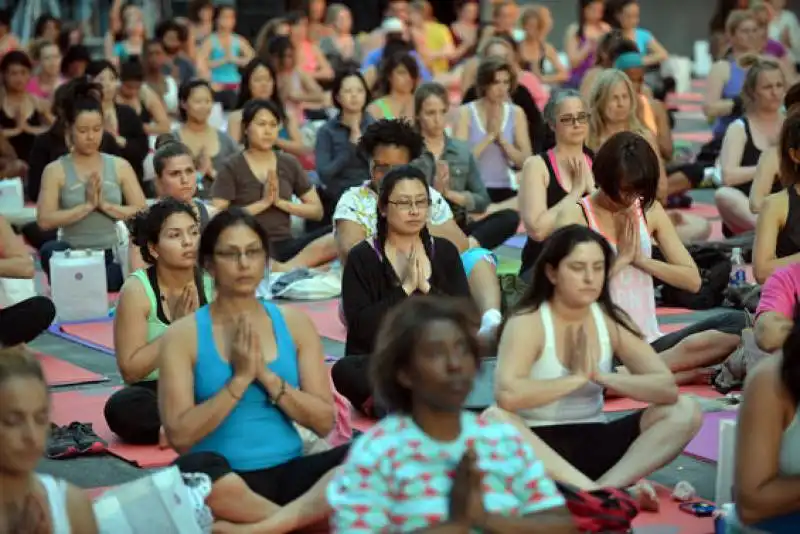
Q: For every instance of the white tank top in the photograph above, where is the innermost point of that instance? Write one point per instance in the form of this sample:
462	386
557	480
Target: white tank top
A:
585	404
56	491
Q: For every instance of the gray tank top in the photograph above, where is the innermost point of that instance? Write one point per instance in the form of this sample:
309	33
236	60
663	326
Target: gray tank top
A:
789	460
97	230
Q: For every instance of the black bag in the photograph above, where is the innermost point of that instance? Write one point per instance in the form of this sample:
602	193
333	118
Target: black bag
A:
715	271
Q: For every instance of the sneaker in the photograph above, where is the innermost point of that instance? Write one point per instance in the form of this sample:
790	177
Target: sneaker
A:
87	441
61	444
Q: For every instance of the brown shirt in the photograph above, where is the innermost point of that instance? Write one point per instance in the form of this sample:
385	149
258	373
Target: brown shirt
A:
237	184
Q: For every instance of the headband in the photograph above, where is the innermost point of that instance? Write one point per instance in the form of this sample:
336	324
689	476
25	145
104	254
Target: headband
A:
629	60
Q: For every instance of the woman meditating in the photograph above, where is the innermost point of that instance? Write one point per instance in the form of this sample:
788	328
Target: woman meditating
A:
170	287
555	359
398	78
32	502
624	210
234	377
426	361
400	261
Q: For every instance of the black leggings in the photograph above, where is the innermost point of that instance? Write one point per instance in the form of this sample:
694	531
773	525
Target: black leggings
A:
727	322
351	378
493	230
132	413
24	321
287	249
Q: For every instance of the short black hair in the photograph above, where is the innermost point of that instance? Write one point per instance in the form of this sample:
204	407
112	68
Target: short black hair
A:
15	57
341	76
132	70
145	227
390	64
391	132
97	66
233	216
251	109
186	90
393	351
627	163
171	26
74	54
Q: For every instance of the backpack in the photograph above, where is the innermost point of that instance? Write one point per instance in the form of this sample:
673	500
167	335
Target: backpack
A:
603	511
715	271
734	369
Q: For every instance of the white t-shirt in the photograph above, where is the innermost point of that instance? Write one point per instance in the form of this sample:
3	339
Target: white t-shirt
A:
360	205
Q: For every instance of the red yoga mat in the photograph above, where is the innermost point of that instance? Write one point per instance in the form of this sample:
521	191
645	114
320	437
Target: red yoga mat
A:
325	316
58	372
670	519
705	445
669	312
101	334
87	407
694	137
707	211
623	405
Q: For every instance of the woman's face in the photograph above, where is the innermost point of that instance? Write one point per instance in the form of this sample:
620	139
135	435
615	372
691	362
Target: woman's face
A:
109	82
580	276
499	90
262	86
178	242
87	132
629	16
134	25
770	90
618	106
77	69
344	21
287	59
407	210
172	42
50	31
432	116
199	104
239	261
352	95
572	122
505	19
262	131
50	59
24	424
299	30
533	26
469	12
130	89
442	369
226	20
178	180
401	81
206	14
316	9
593	13
156	56
16	78
746	35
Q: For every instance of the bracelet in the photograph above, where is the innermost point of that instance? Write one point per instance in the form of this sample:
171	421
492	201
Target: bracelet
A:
277	397
228	387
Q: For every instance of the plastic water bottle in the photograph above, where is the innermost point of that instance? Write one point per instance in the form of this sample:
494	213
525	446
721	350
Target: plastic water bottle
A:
738	275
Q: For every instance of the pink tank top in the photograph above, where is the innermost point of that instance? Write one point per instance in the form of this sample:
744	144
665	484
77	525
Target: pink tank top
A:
309	62
631	288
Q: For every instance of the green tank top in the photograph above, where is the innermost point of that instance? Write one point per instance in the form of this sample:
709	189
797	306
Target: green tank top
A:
383	105
157	323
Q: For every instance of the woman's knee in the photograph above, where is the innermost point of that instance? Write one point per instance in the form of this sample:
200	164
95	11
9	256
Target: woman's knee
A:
686	416
132	414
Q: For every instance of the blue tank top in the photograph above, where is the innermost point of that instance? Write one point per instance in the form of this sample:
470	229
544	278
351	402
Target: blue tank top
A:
732	89
256	435
228	73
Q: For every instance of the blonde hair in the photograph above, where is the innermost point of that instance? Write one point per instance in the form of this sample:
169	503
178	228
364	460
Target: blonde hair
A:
736	18
755	66
598	98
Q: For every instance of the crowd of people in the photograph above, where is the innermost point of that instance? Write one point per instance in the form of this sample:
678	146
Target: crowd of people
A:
407	156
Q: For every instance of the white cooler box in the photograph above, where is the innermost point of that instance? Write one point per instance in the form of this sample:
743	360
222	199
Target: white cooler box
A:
11	195
78	285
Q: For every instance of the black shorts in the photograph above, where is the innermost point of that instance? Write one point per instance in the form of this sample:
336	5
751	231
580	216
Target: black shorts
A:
280	484
592	448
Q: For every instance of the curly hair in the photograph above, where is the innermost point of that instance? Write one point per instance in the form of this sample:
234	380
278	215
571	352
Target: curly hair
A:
145	227
391	132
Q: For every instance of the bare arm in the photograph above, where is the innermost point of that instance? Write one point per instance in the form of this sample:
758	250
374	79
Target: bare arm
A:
235	125
155	105
539	220
310	206
716	106
576	52
16	261
80	512
133	197
520	347
136	358
520	148
657	53
203	61
561	73
771	330
311	405
679	270
294	145
769	223
48	214
324	71
767	169
664	135
311	92
450	230
730	158
348	235
468	73
462	132
761	492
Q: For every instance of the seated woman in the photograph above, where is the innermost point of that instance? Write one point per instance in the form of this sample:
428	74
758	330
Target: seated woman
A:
457	176
136	94
555	359
210	147
397	80
427	402
121	121
298	90
387	144
85	191
20	322
400	261
222	53
309	56
234	377
33	502
581	39
47	77
259	82
777	241
624	15
496	131
767	441
263	182
746	138
158	70
341	48
625	211
605	47
536	54
557	179
172	286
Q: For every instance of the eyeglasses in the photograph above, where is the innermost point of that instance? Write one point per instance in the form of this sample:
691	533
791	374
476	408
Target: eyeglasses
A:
239	255
580	118
408	205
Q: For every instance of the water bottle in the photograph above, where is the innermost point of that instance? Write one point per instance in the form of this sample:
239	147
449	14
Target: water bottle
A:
738	276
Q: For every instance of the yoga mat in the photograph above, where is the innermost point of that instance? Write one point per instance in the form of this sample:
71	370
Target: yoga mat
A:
62	373
668	312
87	407
669	519
688	97
517	241
705	445
325	316
716	231
623	404
695	137
507	265
683	107
701	209
97	335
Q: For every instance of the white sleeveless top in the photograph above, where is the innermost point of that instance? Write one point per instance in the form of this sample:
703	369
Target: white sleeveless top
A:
56	491
585	404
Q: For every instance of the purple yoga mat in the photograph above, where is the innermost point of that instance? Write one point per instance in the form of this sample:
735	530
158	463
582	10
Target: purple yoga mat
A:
517	241
705	445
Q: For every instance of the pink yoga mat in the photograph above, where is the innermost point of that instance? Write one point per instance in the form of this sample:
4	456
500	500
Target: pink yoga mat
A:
705	445
694	137
623	404
325	316
706	211
688	97
668	312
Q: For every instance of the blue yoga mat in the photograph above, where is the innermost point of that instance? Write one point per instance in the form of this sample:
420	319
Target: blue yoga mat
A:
517	241
55	329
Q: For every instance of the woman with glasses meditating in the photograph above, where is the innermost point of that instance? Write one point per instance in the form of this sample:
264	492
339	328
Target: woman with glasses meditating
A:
403	259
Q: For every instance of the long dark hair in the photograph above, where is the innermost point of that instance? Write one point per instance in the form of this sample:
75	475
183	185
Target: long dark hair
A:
388	183
244	88
790	362
582	5
388	66
558	246
145	226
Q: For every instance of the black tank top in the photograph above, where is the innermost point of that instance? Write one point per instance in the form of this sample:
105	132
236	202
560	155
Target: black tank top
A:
750	156
788	241
23	141
153	277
